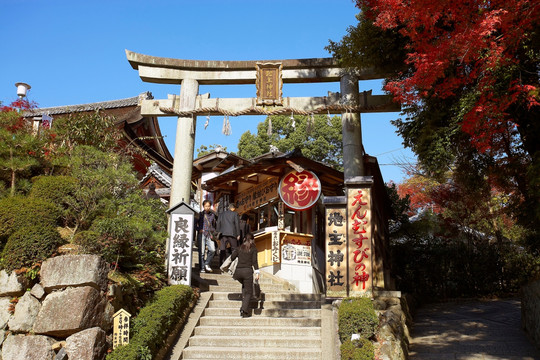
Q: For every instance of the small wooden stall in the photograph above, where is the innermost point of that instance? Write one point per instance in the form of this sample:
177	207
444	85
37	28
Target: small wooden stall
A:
281	196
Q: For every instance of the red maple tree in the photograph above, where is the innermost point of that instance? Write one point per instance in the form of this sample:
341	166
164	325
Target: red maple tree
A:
461	44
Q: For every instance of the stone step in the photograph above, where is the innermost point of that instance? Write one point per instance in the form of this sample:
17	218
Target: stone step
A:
284	324
247	331
234	283
203	352
218	276
237	287
258	321
268	296
289	331
229	281
274	313
266	304
257	341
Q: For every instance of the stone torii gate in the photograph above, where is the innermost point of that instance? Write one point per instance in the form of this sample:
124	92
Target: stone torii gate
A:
269	77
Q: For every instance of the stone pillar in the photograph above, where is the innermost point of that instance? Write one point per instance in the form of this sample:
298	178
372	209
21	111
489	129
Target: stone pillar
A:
353	163
184	146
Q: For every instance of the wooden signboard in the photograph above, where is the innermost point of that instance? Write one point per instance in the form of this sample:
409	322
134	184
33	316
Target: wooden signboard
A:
180	244
257	195
269	83
336	250
360	277
121	328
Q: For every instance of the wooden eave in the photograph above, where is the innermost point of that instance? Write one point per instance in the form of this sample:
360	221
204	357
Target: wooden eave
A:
215	162
331	179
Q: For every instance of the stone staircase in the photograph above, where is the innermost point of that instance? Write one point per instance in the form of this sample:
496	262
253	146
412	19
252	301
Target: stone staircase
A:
284	324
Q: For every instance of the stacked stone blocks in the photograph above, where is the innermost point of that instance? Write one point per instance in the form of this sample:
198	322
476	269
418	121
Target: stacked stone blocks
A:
64	316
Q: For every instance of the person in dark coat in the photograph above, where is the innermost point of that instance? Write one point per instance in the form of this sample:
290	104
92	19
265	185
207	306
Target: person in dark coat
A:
246	269
229	227
206	227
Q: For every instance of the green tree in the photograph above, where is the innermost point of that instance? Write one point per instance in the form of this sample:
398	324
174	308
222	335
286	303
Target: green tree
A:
318	137
91	129
369	46
205	150
20	149
94	129
103	178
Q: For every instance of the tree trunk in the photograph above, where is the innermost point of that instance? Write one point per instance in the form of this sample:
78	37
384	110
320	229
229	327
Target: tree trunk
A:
12	173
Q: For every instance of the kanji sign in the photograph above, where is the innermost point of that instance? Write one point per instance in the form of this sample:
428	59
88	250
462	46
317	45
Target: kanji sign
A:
180	243
257	195
359	246
121	328
269	83
300	190
336	250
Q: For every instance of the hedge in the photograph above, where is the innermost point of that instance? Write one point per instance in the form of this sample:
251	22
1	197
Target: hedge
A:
154	323
30	245
54	188
357	316
361	349
20	212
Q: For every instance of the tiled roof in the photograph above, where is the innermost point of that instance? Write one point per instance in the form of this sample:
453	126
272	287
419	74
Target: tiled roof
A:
112	104
159	174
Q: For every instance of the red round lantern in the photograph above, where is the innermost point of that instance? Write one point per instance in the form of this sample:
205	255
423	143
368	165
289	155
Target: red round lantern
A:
300	190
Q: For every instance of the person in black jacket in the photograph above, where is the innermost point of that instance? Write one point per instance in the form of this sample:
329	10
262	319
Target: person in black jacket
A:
245	269
229	227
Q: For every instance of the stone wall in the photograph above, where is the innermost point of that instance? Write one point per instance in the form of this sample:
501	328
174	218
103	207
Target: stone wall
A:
392	336
64	316
394	321
530	311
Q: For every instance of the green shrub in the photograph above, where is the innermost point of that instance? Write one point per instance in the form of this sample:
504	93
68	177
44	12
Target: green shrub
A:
88	241
19	212
361	349
154	323
357	316
56	189
30	245
126	241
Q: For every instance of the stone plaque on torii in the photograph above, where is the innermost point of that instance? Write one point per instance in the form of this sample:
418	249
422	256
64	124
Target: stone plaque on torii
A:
269	77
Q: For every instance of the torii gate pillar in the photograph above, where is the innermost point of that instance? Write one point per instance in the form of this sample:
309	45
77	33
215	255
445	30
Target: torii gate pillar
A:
184	145
353	163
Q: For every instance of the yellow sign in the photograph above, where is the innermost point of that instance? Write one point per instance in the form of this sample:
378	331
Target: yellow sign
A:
257	195
121	328
297	239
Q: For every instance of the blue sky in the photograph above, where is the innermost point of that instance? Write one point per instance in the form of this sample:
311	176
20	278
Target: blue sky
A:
73	52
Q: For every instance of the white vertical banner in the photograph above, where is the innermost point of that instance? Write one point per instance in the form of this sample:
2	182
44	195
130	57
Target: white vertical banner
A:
180	249
275	247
